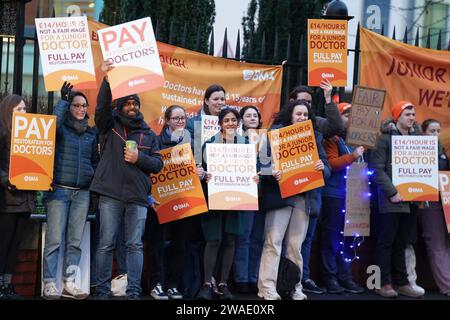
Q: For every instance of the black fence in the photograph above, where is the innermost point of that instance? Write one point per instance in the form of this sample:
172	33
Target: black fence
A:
292	55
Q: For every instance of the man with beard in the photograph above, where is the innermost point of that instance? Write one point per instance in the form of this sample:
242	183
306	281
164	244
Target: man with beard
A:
122	180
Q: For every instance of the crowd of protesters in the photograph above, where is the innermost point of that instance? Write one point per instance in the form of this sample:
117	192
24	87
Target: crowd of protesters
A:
220	252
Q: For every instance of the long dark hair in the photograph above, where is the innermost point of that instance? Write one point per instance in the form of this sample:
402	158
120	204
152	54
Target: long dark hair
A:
242	112
74	94
6	109
209	91
226	111
284	117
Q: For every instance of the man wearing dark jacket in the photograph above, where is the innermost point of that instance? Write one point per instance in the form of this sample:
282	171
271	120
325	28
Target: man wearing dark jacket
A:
396	221
122	180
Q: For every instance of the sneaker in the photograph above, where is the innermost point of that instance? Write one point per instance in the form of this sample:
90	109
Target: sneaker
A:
417	287
311	287
72	291
10	293
270	295
2	293
351	286
298	295
51	292
410	291
158	294
173	293
224	292
206	292
333	286
387	291
241	287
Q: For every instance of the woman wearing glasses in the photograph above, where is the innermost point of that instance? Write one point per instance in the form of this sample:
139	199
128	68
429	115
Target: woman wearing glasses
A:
67	204
166	263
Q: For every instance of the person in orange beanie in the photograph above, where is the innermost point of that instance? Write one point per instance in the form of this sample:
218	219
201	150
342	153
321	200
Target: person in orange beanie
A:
396	220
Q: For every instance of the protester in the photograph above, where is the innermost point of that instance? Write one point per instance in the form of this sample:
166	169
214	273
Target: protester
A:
336	272
129	155
287	218
396	219
15	205
249	244
220	228
329	127
432	221
67	204
166	262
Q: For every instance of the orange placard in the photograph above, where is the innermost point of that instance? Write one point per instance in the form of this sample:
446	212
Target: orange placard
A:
187	75
132	49
327	52
65	50
294	152
177	187
32	151
444	187
406	72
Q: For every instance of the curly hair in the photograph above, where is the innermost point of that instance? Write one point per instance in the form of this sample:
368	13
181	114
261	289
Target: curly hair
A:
284	117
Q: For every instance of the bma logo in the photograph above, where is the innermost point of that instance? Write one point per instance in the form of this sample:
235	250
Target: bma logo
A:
258	75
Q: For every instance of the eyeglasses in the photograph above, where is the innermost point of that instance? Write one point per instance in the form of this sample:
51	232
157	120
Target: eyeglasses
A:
78	106
178	119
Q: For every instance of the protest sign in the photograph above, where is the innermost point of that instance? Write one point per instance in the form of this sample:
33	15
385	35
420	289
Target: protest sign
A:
32	151
365	117
444	187
65	49
177	187
327	52
415	167
209	126
132	49
233	167
294	152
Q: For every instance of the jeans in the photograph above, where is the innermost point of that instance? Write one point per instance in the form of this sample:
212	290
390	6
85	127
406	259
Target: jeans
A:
307	244
333	265
249	248
111	214
66	218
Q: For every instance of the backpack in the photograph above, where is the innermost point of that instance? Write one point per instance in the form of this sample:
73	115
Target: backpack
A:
288	276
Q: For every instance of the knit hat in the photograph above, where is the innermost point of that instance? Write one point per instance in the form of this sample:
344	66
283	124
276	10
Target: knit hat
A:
398	109
343	107
120	102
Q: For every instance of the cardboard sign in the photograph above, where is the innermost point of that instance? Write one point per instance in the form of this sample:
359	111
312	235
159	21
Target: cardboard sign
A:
415	167
32	151
294	152
365	117
209	127
177	187
233	167
65	49
444	187
357	201
327	52
132	48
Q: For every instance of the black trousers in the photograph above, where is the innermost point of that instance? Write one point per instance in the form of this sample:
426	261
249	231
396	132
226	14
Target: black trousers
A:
394	231
166	248
12	227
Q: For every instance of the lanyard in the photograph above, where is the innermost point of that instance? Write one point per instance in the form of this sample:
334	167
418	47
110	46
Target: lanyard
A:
141	137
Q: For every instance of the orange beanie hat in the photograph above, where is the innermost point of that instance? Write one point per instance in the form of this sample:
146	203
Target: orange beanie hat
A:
398	109
344	106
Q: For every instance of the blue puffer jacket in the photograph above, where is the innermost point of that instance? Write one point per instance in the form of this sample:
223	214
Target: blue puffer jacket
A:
271	196
76	155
